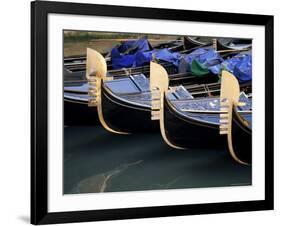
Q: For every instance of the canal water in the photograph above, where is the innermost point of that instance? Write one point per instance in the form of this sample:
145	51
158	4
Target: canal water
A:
98	161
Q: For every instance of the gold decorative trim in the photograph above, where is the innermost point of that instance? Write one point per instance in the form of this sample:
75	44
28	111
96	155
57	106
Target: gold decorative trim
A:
96	73
159	84
229	99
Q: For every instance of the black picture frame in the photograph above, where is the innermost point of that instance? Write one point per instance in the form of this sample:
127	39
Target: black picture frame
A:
39	112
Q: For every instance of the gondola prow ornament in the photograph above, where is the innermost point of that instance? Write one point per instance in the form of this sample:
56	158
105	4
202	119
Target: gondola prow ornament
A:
229	101
96	70
159	84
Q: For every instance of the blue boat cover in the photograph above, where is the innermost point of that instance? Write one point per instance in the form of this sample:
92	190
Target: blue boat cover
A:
206	57
133	46
240	65
121	61
138	53
201	61
124	55
158	54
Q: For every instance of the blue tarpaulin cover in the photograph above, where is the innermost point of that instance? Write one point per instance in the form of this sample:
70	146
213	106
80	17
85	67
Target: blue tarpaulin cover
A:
138	53
124	55
240	65
201	61
209	60
159	54
206	57
133	46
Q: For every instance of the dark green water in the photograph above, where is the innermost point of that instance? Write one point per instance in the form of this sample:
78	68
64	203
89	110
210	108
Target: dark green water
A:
98	161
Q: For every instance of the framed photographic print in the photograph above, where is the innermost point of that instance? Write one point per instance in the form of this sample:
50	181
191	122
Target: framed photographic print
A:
145	112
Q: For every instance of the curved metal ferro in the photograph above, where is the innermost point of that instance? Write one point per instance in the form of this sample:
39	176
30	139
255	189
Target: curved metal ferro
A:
96	69
229	98
159	83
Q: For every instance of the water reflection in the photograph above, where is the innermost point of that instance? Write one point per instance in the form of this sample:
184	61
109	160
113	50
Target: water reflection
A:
98	161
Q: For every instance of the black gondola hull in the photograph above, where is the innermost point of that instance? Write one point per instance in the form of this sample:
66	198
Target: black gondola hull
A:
188	133
241	138
79	114
123	117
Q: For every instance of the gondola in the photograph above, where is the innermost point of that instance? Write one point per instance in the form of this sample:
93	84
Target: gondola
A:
190	123
236	126
130	96
134	89
191	43
76	98
175	78
76	95
76	86
230	44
